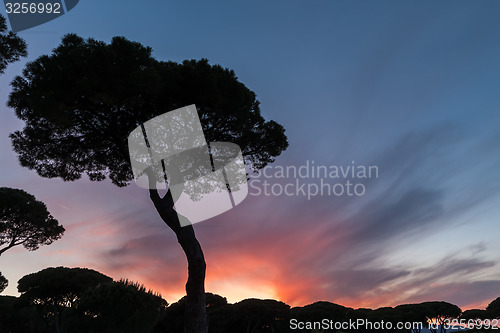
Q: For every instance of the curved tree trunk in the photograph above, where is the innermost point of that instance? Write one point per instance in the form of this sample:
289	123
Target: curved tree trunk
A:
195	315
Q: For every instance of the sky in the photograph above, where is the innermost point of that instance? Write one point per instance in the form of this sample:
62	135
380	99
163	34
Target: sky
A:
409	88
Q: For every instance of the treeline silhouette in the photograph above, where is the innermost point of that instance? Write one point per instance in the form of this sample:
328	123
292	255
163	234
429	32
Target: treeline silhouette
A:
82	300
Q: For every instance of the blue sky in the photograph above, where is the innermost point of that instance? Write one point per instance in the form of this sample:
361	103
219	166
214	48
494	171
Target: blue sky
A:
411	87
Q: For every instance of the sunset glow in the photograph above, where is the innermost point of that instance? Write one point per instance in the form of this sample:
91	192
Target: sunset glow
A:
408	90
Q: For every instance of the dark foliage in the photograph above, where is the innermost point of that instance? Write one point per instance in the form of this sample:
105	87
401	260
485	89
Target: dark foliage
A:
319	310
250	315
494	308
173	320
412	313
441	312
120	306
12	48
91	302
56	289
474	314
3	282
16	317
25	221
80	103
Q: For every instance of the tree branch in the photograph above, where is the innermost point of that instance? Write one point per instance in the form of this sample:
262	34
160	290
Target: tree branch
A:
2	250
165	205
196	319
